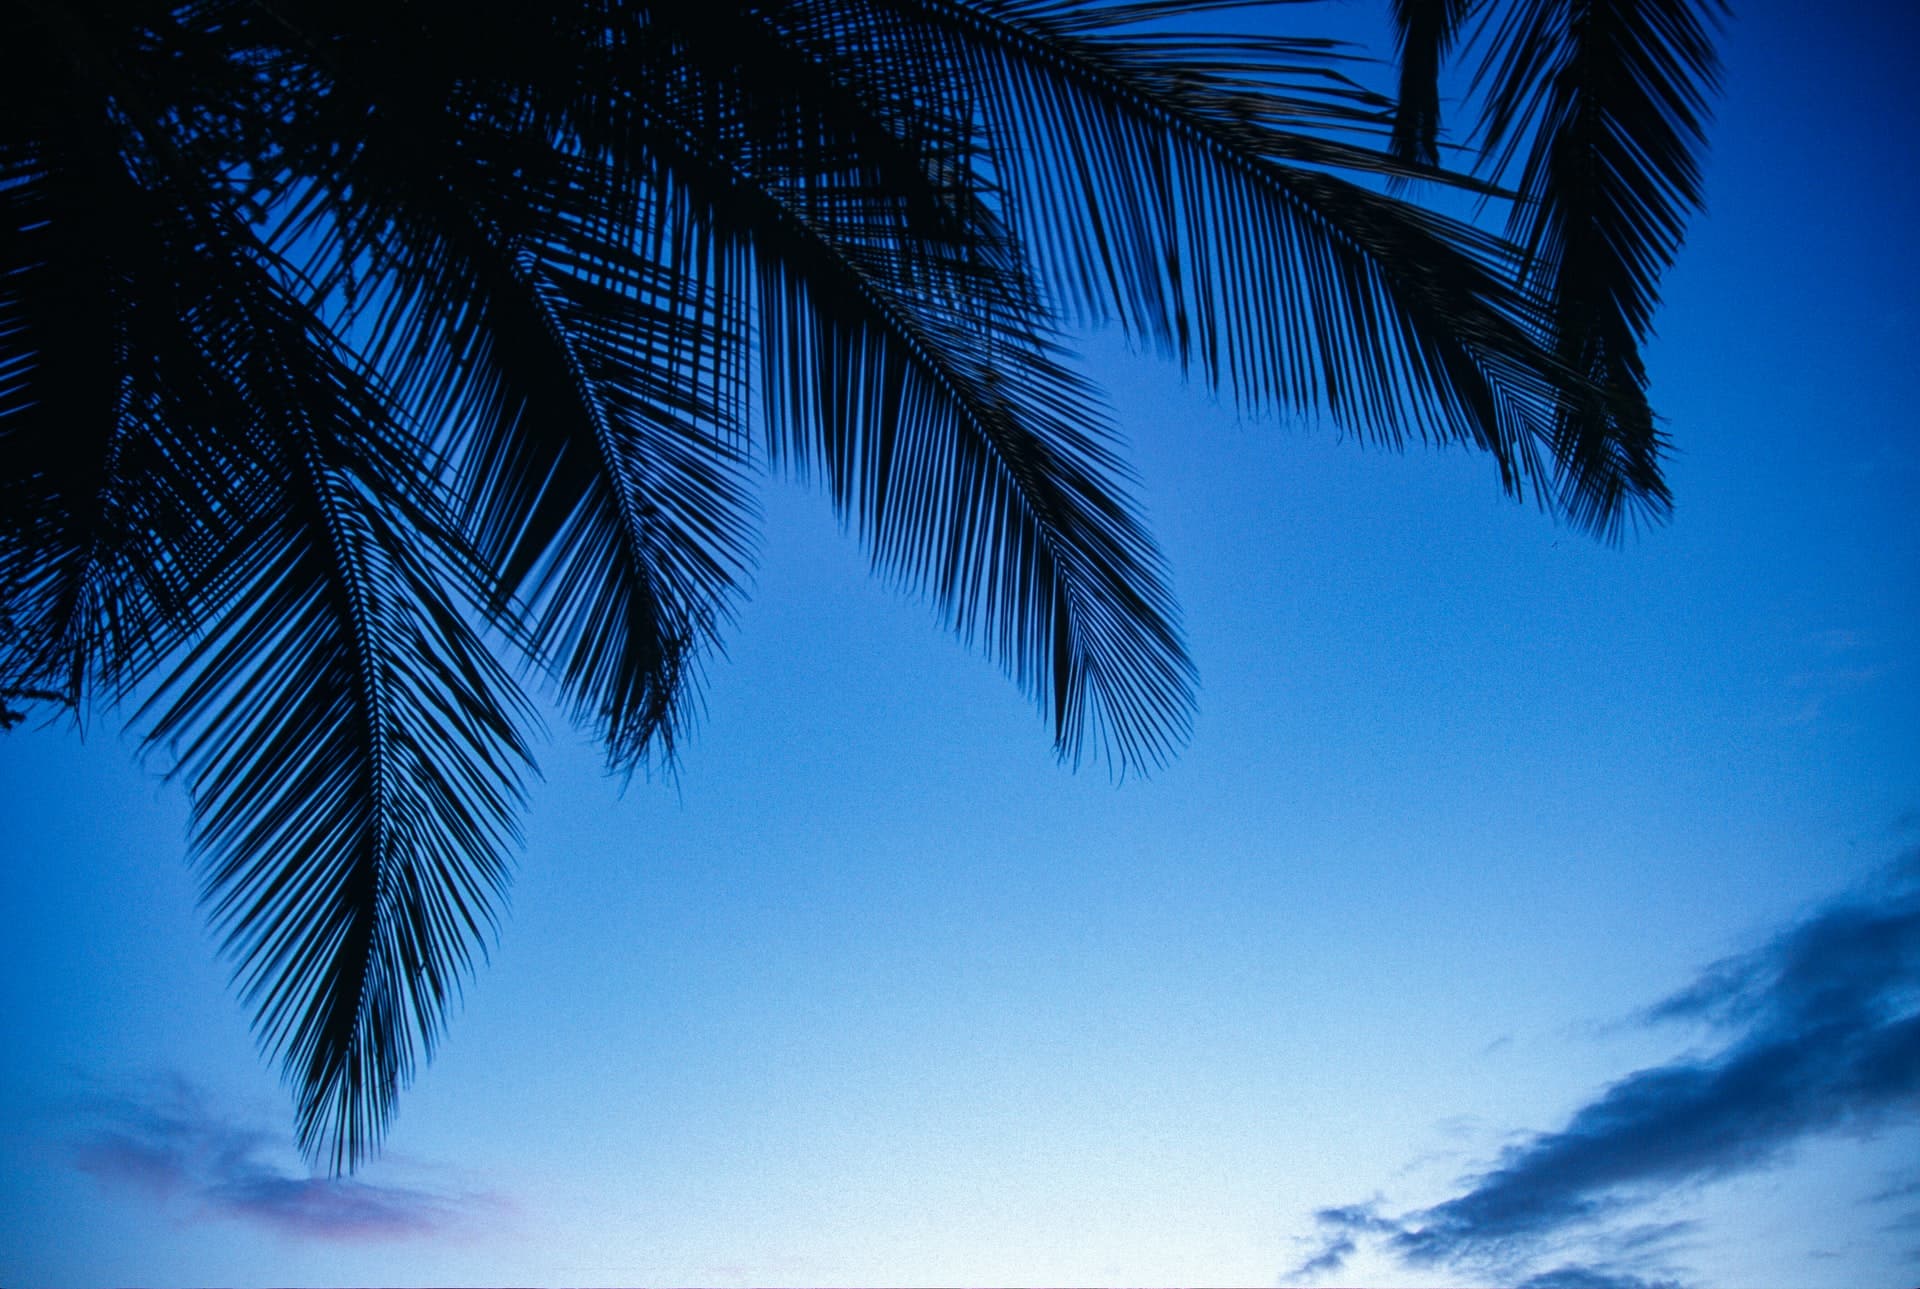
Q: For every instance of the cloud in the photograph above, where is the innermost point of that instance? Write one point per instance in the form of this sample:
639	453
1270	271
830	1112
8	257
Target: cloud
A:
1577	1276
1820	1033
167	1143
1332	1256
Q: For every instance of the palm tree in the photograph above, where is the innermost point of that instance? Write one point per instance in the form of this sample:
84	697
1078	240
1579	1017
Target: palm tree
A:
345	346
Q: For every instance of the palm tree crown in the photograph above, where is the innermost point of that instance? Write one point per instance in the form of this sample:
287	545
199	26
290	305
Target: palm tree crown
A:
335	335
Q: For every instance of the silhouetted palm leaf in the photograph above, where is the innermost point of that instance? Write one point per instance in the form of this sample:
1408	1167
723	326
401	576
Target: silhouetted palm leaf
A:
332	334
353	751
1604	105
1423	31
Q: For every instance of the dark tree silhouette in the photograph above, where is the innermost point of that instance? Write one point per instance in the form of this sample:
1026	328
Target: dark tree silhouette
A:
335	334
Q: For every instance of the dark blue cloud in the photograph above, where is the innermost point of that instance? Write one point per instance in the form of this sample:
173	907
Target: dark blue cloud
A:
1332	1256
1820	1033
167	1142
1576	1276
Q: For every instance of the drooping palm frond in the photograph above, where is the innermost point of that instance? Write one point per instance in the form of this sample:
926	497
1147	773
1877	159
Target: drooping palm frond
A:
352	749
206	492
1423	31
1603	104
905	362
518	288
984	475
1201	206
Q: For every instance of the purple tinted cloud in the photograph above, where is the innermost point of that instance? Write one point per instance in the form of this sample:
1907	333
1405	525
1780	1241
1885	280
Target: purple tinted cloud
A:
1821	1033
166	1142
330	1208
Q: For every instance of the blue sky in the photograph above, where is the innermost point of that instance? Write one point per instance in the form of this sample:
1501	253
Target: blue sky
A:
1522	910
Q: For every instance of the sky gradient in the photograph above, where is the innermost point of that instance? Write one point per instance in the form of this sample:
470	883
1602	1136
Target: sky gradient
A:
1523	910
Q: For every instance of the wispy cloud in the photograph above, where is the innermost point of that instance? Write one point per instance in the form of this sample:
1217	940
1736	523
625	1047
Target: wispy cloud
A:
1819	1032
166	1142
1576	1276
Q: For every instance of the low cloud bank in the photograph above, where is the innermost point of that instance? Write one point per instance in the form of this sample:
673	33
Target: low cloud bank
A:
1819	1033
166	1141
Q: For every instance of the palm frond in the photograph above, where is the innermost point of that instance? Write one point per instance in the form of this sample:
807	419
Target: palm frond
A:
1602	104
590	437
904	362
351	748
654	525
220	500
983	473
1206	218
1423	31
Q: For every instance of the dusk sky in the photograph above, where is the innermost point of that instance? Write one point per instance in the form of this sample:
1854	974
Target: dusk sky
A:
1523	911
